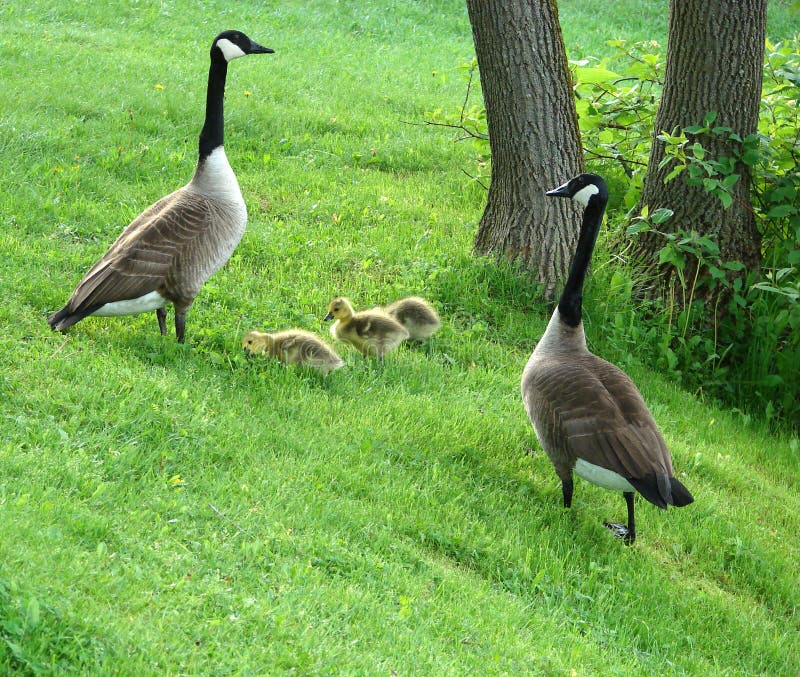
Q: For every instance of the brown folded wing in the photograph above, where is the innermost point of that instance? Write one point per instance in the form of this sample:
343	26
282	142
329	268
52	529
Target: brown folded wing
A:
587	408
146	254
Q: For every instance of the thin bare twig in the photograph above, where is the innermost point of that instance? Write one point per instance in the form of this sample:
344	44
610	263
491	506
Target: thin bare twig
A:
624	163
60	348
466	96
476	179
228	519
618	158
469	132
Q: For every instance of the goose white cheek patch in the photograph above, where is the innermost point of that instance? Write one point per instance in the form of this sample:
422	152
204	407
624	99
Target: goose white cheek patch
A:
583	195
229	50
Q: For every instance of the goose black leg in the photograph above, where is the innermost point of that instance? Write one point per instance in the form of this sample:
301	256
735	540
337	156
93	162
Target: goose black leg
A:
566	491
180	325
161	316
627	534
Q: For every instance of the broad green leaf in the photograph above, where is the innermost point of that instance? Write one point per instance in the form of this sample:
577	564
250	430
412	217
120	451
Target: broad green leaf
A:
637	227
781	211
733	265
698	151
730	180
675	172
750	157
661	215
695	129
594	75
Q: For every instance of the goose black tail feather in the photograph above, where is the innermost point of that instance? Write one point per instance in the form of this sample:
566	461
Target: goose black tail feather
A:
652	489
662	491
66	317
681	496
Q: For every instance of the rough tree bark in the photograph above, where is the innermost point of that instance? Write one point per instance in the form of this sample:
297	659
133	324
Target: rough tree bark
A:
533	135
714	63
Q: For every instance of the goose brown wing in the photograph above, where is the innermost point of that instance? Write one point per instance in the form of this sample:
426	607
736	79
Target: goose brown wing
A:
145	253
592	410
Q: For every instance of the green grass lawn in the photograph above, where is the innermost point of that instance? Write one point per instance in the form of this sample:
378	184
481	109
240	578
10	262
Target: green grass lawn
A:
169	509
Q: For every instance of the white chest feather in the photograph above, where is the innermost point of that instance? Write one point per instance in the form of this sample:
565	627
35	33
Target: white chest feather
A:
602	477
215	179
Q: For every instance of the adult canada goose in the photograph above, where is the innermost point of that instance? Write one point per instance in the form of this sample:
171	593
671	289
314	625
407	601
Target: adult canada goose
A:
168	252
294	346
417	315
372	332
587	413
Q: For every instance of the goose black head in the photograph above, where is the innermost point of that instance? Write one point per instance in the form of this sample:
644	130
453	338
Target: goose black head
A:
233	44
582	188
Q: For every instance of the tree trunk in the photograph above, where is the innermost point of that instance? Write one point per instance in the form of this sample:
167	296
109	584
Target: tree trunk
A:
533	135
714	63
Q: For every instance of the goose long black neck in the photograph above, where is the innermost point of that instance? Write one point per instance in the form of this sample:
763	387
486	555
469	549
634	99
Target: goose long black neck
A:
569	306
213	133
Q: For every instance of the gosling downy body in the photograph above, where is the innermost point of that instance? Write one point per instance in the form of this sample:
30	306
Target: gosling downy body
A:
417	315
588	415
294	346
168	252
372	332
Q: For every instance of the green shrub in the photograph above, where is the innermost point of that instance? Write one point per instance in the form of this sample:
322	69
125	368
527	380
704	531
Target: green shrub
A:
746	352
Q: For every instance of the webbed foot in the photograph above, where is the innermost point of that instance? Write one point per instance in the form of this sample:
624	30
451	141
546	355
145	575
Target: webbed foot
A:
620	531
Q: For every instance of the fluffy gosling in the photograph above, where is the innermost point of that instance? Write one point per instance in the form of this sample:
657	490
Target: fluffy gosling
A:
294	346
417	315
372	332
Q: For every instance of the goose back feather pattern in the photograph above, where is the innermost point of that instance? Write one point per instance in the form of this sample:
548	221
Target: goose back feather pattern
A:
170	249
588	408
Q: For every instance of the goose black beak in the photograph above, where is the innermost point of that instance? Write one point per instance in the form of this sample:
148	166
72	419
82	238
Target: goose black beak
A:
561	191
328	317
255	48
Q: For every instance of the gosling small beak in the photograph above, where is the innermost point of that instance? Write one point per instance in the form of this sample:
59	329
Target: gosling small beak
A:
328	317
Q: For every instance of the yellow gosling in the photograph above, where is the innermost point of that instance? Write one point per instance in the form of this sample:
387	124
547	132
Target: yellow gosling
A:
372	332
294	346
417	315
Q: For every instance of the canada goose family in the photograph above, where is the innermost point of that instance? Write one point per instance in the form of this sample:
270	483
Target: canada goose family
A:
587	413
417	315
294	346
371	332
168	252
